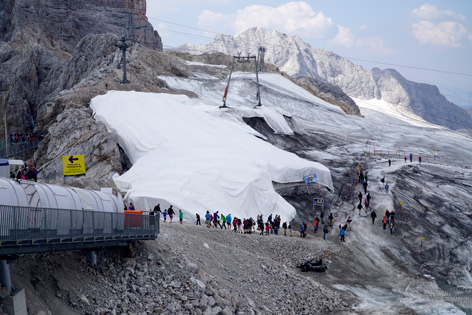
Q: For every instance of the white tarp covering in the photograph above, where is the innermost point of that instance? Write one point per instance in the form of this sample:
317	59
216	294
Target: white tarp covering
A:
186	156
11	193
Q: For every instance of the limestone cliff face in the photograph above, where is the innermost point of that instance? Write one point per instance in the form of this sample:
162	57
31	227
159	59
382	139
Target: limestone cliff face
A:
38	38
61	24
55	55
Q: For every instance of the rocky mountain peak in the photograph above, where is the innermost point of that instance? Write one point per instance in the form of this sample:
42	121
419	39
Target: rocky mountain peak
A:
297	58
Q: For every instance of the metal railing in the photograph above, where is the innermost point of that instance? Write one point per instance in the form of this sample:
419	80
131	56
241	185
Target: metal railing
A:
16	149
21	226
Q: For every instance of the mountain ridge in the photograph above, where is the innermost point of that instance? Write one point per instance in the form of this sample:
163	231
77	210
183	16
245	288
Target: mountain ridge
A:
299	59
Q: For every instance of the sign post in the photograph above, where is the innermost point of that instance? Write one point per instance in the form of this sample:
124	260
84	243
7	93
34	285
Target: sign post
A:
73	165
434	150
421	246
318	202
400	208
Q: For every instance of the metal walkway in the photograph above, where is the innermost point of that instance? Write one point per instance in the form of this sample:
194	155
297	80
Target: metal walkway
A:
17	149
27	230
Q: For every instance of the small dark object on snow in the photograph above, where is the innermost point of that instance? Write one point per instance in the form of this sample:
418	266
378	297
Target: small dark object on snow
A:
313	265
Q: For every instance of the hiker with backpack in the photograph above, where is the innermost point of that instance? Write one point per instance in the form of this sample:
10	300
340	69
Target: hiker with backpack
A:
325	232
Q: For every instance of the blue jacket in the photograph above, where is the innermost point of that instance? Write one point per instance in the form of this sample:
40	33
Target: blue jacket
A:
343	231
228	218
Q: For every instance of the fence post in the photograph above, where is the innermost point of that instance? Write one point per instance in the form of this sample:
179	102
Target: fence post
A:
15	222
70	227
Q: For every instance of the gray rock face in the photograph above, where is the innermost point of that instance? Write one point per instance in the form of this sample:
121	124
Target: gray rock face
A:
424	100
38	38
330	93
58	55
299	59
61	25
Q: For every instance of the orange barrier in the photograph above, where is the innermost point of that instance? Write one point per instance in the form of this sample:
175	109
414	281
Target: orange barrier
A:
133	218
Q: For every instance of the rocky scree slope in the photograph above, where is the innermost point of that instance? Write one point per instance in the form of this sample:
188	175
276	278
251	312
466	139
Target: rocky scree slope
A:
187	270
297	58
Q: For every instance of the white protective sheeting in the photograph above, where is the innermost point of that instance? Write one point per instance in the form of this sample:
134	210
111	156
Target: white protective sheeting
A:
185	156
11	193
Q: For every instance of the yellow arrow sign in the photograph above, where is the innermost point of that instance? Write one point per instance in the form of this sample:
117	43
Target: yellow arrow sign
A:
73	165
421	238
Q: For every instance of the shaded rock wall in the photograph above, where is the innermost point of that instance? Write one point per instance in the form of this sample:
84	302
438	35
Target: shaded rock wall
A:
38	38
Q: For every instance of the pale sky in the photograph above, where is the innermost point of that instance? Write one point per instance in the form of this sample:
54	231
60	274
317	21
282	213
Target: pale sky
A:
405	34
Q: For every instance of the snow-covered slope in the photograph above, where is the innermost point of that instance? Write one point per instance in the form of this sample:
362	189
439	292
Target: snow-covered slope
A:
297	58
197	157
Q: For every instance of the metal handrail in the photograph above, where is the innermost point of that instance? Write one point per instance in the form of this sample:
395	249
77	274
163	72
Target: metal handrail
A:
18	149
29	225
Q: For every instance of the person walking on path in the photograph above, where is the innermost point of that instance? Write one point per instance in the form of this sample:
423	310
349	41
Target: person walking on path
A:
392	217
302	230
384	221
181	216
387	213
325	232
223	221
208	219
365	187
322	217
373	215
228	221
198	219
411	157
164	214
389	162
157	208
342	233
359	206
216	219
349	220
290	228
284	226
368	197
391	228
405	159
386	188
331	219
419	159
171	213
235	224
315	224
267	227
360	196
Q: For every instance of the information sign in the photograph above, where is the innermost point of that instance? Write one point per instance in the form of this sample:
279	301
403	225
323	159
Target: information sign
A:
73	165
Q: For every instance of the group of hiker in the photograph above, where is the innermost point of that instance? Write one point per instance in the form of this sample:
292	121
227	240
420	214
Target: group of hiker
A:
273	223
167	212
25	173
245	225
